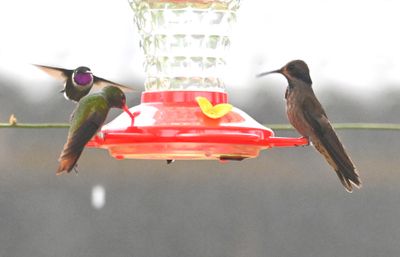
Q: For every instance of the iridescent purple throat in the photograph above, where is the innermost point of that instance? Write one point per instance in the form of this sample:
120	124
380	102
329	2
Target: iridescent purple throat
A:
83	79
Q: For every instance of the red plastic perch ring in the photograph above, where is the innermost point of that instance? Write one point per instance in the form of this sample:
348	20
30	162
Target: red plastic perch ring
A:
170	125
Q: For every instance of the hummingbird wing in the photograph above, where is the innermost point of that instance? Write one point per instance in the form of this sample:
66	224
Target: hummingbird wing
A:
100	83
55	72
76	141
328	144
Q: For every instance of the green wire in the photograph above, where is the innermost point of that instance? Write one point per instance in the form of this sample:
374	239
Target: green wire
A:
338	126
348	126
34	125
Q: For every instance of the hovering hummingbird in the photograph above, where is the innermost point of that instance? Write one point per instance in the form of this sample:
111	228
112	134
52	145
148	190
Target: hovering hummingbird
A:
87	118
308	117
78	82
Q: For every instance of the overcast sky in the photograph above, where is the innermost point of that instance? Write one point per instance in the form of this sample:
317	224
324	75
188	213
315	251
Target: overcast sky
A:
347	43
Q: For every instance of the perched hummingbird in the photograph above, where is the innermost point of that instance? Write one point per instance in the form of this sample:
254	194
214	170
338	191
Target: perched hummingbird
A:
308	117
78	82
87	118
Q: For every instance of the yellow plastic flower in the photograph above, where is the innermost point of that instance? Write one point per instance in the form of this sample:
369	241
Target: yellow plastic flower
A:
213	112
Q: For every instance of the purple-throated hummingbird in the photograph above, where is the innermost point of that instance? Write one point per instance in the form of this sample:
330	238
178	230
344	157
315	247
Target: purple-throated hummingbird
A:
78	82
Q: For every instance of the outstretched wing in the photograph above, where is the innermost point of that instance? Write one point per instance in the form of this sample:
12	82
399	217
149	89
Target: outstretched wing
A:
55	72
100	83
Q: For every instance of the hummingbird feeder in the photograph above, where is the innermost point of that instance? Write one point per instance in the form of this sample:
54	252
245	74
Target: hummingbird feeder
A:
184	43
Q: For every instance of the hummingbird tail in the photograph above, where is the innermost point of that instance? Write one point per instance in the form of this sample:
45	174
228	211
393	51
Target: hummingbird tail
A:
349	179
68	163
335	154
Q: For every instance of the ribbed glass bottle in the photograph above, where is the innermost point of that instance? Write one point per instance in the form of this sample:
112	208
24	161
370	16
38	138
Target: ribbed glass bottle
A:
184	42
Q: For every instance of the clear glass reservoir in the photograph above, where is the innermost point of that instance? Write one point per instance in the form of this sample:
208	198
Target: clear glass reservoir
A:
184	42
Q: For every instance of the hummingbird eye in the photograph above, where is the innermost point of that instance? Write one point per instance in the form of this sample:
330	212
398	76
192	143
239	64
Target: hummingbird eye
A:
299	70
122	98
291	67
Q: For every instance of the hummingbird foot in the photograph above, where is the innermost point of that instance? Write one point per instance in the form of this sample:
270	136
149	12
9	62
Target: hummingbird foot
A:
304	138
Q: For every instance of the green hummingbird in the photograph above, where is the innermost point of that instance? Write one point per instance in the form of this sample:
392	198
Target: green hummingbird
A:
78	82
86	120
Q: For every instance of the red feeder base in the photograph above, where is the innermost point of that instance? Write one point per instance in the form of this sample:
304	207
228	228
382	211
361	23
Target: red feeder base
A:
170	125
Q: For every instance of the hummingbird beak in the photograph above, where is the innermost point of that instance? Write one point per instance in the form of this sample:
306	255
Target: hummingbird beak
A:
269	72
126	109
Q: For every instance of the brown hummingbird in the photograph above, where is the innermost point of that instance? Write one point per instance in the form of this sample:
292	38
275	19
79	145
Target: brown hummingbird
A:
308	117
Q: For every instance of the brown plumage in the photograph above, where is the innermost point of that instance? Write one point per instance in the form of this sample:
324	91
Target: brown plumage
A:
308	117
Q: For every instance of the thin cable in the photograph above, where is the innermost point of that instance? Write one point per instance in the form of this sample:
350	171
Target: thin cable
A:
338	126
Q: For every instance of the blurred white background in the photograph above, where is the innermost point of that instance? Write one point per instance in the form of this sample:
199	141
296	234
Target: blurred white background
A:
349	44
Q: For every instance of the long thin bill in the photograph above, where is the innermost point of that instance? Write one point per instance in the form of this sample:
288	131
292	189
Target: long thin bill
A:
267	73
